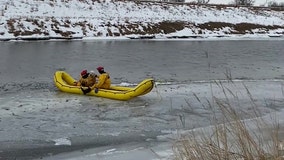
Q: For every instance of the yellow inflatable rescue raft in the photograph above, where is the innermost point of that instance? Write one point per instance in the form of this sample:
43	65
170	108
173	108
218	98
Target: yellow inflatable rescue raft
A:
65	83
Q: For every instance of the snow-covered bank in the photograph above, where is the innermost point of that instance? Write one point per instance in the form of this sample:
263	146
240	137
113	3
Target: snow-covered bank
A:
255	3
34	20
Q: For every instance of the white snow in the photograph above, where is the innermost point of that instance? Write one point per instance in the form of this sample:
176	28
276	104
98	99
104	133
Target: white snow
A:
62	141
97	19
256	2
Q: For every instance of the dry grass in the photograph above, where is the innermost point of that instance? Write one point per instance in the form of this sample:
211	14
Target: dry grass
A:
230	137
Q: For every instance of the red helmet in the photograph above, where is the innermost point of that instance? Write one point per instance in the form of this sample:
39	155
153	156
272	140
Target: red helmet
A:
100	68
84	72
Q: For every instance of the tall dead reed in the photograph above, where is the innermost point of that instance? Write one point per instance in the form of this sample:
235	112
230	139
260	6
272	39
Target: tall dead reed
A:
230	137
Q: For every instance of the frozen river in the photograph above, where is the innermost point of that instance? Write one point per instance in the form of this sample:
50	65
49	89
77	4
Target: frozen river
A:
36	120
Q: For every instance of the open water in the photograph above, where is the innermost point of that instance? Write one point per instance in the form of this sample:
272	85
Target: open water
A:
37	120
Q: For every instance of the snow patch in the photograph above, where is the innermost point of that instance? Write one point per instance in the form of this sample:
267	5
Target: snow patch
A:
62	141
